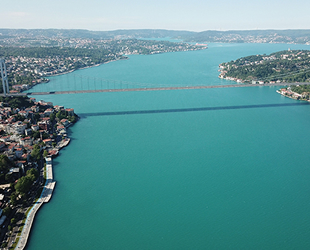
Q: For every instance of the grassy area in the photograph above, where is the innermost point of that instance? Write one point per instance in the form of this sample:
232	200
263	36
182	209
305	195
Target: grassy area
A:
44	173
23	222
15	244
26	214
20	230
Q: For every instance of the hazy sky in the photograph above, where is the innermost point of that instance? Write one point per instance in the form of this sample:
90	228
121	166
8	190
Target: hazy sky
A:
194	15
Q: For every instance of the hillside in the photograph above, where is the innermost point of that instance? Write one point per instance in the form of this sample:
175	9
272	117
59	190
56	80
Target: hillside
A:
283	66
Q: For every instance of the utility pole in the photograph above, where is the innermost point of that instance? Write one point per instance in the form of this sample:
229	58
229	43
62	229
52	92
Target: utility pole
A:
4	76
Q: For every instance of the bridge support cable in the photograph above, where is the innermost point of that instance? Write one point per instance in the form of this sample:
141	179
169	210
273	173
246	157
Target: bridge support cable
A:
90	84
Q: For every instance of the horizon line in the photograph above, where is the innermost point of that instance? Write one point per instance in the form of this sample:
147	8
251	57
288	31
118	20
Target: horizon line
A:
140	29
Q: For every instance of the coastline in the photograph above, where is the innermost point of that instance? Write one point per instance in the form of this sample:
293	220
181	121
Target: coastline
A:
45	197
87	67
72	70
292	95
46	194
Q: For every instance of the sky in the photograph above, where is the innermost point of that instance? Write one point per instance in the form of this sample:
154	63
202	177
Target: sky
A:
194	15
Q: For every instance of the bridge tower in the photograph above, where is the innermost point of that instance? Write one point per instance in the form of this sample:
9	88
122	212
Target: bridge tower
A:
4	76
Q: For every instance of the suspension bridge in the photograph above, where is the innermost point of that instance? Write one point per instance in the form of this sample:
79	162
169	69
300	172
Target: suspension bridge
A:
150	89
161	88
77	84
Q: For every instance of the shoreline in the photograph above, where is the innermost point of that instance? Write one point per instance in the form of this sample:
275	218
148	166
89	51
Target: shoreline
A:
87	67
72	70
293	95
45	197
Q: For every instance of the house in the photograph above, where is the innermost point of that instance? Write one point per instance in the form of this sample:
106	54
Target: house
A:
65	122
70	111
19	152
35	108
26	141
48	142
43	103
23	113
60	127
35	127
44	125
5	138
57	107
20	128
28	131
14	172
48	112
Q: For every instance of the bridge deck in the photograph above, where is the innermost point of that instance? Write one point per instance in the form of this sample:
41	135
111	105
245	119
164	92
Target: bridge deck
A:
157	88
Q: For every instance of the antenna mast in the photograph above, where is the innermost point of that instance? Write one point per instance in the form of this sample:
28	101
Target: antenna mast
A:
4	76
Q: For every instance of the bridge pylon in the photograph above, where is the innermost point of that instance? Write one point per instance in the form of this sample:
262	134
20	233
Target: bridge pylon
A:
4	76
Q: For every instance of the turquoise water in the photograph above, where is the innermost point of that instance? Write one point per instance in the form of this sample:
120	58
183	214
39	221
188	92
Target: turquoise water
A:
232	178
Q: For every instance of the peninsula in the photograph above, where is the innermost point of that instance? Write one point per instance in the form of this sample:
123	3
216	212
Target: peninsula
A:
280	67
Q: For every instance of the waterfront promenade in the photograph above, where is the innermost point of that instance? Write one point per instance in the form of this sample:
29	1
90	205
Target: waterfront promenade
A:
45	197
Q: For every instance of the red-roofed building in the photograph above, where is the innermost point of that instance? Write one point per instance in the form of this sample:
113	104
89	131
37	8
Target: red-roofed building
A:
35	127
65	122
23	113
19	152
35	108
48	142
26	141
57	107
44	125
70	111
48	112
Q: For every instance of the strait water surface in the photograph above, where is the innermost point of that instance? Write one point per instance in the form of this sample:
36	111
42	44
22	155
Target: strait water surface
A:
234	177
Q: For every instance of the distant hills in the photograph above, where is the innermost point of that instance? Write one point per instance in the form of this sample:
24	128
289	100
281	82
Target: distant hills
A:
233	36
79	33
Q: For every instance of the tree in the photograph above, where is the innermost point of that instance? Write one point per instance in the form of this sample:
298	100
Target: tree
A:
37	116
33	172
5	165
61	114
8	177
36	134
36	152
24	183
13	198
52	117
13	221
45	154
7	211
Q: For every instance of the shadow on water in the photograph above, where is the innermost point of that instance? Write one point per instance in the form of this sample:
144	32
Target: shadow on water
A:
156	111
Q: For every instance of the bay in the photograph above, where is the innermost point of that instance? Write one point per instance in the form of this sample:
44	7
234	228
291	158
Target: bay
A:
234	177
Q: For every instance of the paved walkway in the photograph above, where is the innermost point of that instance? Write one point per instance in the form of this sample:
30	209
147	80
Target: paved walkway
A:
45	197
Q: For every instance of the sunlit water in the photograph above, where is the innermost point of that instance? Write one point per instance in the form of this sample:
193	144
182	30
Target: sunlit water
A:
233	177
